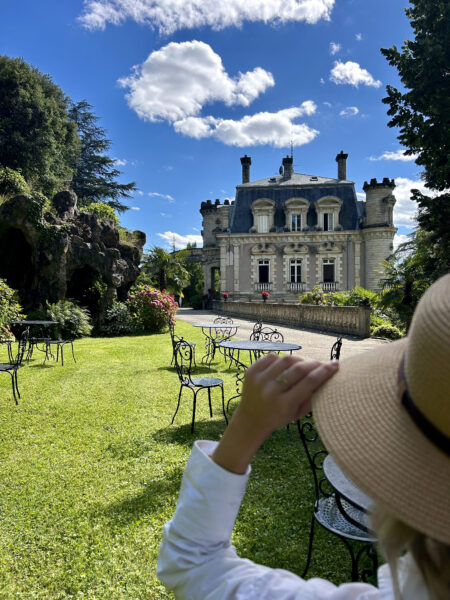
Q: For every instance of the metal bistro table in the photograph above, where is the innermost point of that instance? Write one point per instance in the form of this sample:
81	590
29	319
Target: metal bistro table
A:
255	349
35	341
348	491
215	334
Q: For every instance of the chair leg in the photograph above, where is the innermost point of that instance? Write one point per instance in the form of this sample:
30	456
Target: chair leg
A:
17	385
178	405
193	411
73	354
61	346
311	537
209	401
223	405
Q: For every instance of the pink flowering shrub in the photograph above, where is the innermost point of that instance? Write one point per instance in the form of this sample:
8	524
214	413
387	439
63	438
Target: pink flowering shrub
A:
150	309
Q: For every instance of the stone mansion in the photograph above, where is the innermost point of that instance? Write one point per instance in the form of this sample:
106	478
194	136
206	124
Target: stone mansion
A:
289	233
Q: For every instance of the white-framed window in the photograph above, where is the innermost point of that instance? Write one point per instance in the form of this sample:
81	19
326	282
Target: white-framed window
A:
263	271
328	270
295	270
262	223
328	221
296	222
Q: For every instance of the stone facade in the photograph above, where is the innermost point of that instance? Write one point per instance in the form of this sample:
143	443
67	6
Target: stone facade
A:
289	233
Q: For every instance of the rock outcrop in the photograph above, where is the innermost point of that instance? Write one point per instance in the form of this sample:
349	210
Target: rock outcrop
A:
63	253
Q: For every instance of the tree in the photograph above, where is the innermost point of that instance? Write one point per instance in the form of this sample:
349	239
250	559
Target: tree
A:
422	114
36	136
166	270
95	175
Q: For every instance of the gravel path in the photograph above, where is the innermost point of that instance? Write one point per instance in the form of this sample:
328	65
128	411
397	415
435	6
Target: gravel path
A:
315	344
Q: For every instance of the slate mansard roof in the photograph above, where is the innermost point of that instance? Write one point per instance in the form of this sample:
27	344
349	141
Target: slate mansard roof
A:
279	189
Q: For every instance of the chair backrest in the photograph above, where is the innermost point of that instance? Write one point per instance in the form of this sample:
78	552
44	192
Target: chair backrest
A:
171	325
183	356
23	342
336	349
316	454
223	320
268	334
254	336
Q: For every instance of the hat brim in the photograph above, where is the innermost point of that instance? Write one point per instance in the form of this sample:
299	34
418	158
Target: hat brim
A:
364	426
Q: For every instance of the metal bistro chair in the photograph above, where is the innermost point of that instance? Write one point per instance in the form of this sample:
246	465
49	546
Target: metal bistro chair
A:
13	367
222	335
59	349
175	339
336	349
183	364
265	334
329	508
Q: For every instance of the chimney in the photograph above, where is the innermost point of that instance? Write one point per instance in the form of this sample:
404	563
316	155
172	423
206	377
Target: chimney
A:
246	161
288	166
341	160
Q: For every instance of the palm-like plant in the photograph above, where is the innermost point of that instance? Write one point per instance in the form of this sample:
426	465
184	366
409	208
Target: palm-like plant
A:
166	269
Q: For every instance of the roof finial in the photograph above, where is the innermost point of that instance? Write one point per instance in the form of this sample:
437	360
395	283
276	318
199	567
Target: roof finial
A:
292	148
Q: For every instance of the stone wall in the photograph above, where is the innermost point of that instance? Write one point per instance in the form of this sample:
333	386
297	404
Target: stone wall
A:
352	320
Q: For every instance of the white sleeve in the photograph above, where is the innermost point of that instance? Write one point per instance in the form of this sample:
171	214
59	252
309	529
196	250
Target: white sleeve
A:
197	561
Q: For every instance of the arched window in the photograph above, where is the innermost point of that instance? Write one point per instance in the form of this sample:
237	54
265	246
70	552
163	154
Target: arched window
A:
263	211
327	210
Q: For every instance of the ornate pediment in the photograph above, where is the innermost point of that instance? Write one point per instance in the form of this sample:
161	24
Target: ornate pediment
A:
264	249
296	248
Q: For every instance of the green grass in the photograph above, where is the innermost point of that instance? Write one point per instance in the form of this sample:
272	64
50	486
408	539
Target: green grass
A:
91	470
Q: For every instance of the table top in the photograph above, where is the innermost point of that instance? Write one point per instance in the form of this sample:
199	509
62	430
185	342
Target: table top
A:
345	486
259	345
34	322
217	325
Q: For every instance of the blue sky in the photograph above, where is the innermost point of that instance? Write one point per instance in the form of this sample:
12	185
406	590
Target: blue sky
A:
186	87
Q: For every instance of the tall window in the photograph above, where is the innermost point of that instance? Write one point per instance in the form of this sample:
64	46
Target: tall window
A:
328	270
328	224
296	270
296	222
263	271
262	223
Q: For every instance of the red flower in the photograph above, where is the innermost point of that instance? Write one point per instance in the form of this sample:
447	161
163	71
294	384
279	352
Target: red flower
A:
265	294
225	294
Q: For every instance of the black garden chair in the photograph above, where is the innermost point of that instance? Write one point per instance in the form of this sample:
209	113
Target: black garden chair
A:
336	349
14	365
175	339
329	509
59	345
183	355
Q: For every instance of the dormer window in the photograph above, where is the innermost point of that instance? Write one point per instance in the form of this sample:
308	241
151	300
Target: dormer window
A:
327	210
263	211
296	210
296	222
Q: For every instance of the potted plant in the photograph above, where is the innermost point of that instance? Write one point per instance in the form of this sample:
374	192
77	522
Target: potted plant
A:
225	296
265	294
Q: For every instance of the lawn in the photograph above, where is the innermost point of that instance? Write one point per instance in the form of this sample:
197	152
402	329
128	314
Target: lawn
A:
91	469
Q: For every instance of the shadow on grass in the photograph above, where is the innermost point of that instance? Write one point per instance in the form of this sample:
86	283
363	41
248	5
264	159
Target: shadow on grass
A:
204	430
152	499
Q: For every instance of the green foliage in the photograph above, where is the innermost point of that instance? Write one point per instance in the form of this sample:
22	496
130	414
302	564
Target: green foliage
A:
36	135
101	210
151	308
353	297
316	296
12	183
194	291
10	309
73	320
167	270
95	175
388	331
117	321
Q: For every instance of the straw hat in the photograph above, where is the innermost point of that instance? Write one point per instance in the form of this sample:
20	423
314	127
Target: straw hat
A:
385	417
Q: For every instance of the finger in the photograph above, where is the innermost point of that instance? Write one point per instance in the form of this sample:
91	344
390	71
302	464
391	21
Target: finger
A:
298	371
276	369
314	380
261	364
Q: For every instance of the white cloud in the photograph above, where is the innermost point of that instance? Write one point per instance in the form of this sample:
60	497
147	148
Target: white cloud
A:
335	48
400	239
351	73
134	208
322	81
397	155
176	81
120	162
361	196
405	209
164	196
349	111
328	104
181	241
358	36
276	129
169	16
139	192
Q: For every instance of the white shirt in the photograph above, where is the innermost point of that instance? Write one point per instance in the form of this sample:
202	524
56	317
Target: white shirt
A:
198	562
